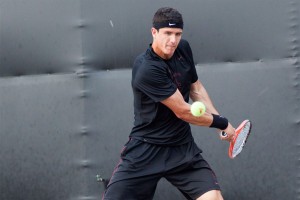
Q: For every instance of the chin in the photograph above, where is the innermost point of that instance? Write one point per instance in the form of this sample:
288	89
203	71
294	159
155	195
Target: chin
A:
169	54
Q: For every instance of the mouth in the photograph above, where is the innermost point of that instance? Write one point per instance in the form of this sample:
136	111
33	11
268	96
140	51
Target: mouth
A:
171	47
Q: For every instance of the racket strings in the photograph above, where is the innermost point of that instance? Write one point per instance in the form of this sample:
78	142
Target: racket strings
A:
241	139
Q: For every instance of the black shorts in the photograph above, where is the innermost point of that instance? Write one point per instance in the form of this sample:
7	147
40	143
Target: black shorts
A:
142	165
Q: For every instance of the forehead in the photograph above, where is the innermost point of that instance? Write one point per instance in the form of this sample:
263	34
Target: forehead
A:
170	30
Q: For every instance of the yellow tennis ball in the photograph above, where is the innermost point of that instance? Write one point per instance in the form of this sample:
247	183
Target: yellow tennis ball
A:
198	108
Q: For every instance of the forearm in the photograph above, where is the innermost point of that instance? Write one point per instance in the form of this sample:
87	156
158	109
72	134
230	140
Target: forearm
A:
207	119
182	110
199	93
210	118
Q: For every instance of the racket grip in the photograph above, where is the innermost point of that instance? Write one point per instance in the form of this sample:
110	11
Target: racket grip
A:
223	134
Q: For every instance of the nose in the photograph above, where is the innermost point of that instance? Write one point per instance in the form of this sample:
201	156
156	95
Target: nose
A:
173	38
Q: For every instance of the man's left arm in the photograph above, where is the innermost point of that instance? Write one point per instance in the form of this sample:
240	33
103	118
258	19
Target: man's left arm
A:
199	93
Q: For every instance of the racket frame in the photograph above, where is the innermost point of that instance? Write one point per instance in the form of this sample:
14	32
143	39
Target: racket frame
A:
237	132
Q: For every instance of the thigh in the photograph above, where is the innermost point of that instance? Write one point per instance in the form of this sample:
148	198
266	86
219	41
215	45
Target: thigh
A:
195	178
211	195
140	188
135	177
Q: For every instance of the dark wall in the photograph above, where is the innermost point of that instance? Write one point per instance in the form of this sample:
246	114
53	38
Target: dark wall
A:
66	101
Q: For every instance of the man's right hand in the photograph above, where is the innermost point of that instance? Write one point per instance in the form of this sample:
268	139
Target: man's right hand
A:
230	133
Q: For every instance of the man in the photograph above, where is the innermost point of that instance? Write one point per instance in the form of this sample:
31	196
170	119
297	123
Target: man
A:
161	143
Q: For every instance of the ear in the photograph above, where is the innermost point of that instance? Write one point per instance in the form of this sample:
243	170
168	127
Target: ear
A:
154	32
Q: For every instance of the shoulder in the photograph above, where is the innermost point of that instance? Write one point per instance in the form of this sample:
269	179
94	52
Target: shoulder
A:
147	67
185	49
184	44
146	61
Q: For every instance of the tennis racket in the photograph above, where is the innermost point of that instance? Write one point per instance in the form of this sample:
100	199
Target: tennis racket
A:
241	135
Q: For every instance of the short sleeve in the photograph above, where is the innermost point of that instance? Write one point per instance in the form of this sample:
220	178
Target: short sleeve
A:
155	82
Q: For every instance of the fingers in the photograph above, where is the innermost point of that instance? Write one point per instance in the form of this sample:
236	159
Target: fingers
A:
228	134
227	137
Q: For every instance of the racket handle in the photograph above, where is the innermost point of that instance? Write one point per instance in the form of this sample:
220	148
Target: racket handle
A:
223	134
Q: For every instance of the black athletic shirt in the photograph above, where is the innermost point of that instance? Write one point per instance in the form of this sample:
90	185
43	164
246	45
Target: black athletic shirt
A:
153	80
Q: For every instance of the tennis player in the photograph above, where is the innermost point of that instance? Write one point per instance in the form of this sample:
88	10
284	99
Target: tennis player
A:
161	143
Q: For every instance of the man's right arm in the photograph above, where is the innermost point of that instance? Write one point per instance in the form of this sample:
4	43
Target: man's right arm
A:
182	110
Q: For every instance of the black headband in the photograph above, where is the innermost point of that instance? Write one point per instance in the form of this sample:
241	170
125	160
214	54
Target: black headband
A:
159	25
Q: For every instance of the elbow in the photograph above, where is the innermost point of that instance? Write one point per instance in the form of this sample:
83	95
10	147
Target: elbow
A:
181	115
178	115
